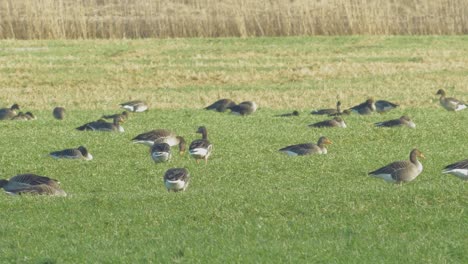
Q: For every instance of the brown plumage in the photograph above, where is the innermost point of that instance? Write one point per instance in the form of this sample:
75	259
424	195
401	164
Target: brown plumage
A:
8	113
59	113
335	122
307	148
32	184
401	171
450	103
221	105
201	148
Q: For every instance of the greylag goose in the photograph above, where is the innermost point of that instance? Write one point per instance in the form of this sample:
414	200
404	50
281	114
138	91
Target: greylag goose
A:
294	113
459	169
59	113
32	184
383	106
30	116
335	122
402	121
401	171
75	153
123	115
162	135
160	152
328	111
450	103
176	179
20	117
201	148
135	106
221	105
244	108
102	125
8	113
307	148
365	108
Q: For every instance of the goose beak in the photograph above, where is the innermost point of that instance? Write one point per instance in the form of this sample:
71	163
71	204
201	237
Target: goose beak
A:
422	156
329	142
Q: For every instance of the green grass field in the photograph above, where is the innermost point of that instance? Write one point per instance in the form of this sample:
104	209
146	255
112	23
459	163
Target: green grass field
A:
250	203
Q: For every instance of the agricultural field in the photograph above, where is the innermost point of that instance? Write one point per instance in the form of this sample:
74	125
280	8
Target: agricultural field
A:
250	203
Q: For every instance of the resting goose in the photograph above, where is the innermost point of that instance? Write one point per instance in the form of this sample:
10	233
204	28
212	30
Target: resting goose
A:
20	117
163	135
160	152
102	125
294	113
307	148
221	105
335	122
123	115
8	113
328	111
244	108
59	113
459	169
32	184
76	153
365	108
201	148
401	171
383	106
30	116
450	103
135	106
402	121
176	179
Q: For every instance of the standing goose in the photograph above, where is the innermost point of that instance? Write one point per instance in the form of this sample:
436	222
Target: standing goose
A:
201	148
244	108
59	113
307	148
135	106
335	122
402	121
163	135
102	125
365	108
401	171
8	113
221	105
450	103
328	111
459	169
76	153
176	179
123	115
294	113
160	152
384	106
32	184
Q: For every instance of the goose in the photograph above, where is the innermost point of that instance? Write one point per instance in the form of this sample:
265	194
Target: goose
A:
450	103
221	105
102	125
344	112
294	113
335	122
32	184
307	148
201	148
365	108
8	113
148	138
75	153
382	106
30	116
123	115
401	171
135	106
402	121
176	179
244	108
160	152
328	111
58	113
20	117
459	169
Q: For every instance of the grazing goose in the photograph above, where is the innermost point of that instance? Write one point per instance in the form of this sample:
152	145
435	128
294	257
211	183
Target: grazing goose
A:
450	103
328	111
59	113
402	121
8	113
77	153
163	135
201	148
294	113
383	106
160	152
401	171
307	148
244	108
135	106
123	115
459	169
32	184
221	105
176	179
102	125
365	108
335	122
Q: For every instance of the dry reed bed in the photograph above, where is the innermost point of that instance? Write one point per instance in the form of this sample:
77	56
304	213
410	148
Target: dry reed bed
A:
51	19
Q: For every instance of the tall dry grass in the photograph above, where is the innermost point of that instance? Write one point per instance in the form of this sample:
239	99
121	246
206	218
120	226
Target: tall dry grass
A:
52	19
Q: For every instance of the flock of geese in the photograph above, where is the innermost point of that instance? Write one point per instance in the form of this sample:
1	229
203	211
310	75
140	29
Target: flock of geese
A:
160	142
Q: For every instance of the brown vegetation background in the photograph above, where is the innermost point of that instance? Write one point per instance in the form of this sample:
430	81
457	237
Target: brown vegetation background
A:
89	19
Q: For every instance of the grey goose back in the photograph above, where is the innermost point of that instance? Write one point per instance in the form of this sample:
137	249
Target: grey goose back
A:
365	108
102	125
294	113
134	106
307	148
160	152
402	121
382	106
20	117
32	184
244	108
58	113
450	103
328	111
459	169
30	116
335	122
401	171
8	113
123	115
176	179
162	135
74	153
201	148
221	105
